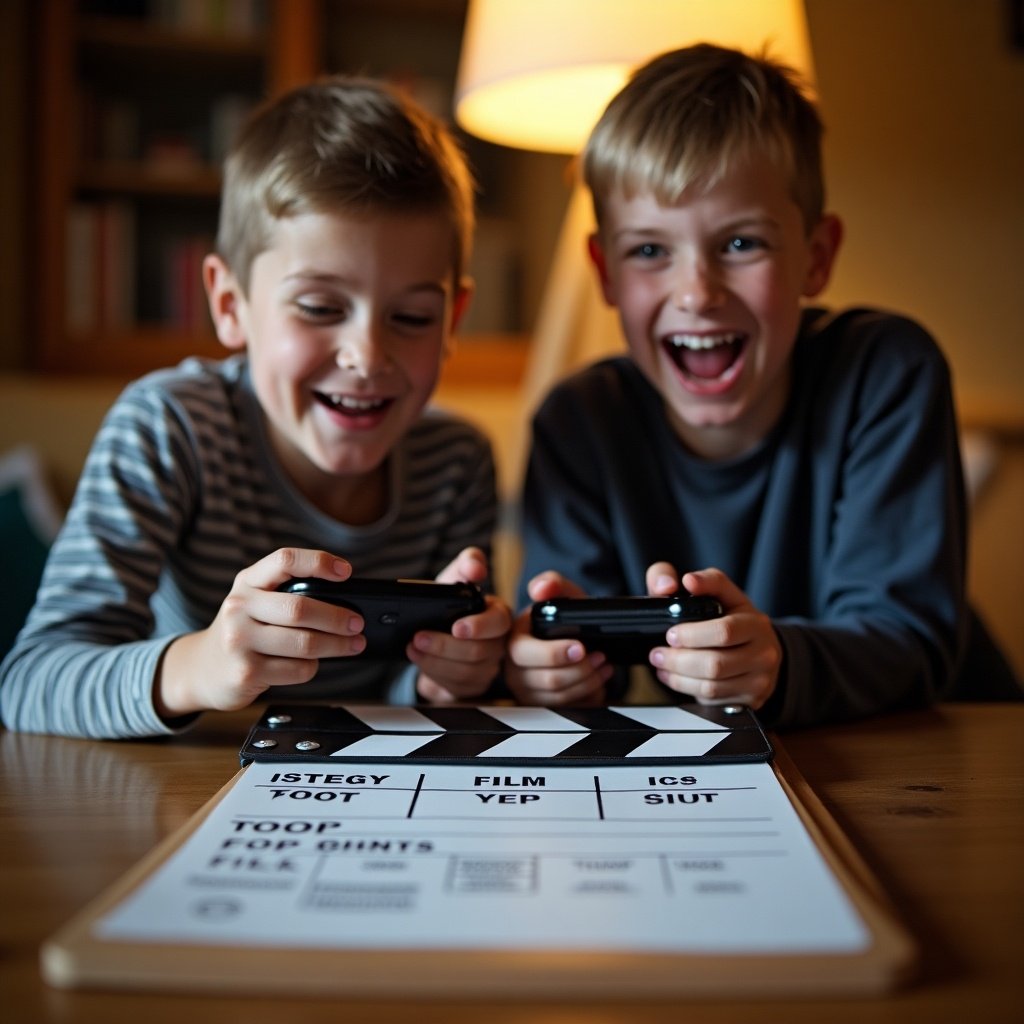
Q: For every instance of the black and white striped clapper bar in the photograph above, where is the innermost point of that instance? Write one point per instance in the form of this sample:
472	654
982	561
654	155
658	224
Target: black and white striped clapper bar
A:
382	734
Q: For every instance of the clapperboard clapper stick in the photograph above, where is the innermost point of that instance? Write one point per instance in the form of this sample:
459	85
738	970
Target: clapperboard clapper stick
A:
383	734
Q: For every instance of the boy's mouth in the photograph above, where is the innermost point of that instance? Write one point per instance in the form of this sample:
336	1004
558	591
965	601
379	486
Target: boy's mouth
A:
352	407
704	358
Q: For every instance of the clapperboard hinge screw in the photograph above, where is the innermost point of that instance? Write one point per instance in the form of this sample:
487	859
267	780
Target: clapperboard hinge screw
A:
278	719
307	745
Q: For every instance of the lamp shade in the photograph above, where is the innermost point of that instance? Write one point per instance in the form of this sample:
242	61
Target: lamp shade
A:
536	74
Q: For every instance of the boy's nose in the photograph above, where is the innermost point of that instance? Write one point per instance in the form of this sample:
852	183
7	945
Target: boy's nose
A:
361	350
696	290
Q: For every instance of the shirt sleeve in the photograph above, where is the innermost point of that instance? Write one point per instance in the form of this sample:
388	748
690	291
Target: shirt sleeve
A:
84	664
887	619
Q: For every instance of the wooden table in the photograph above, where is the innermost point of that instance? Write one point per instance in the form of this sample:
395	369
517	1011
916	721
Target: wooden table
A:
933	801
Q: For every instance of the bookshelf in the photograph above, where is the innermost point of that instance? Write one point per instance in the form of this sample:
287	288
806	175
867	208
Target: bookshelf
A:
135	101
132	102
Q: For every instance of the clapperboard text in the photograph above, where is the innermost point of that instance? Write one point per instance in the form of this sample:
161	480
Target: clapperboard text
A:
267	844
501	782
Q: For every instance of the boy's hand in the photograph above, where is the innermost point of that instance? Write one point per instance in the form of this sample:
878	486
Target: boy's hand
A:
462	664
731	659
259	638
554	673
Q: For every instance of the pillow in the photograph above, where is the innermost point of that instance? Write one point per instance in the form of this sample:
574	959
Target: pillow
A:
29	520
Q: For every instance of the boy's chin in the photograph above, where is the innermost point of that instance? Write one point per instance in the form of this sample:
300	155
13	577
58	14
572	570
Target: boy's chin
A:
702	405
709	420
710	432
350	466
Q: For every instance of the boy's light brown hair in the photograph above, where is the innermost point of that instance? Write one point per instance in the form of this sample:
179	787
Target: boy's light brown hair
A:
688	116
340	144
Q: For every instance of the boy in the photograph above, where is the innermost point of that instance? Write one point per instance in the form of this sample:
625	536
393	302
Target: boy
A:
337	281
800	466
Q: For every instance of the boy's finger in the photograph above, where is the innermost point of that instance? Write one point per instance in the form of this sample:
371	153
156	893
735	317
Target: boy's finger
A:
715	583
297	611
529	652
546	585
305	644
490	624
290	563
662	578
468	566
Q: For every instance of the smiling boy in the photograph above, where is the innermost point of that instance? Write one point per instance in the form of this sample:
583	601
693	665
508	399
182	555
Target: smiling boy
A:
799	465
337	282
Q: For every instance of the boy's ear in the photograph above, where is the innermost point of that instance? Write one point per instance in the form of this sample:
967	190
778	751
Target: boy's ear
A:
596	253
826	237
226	300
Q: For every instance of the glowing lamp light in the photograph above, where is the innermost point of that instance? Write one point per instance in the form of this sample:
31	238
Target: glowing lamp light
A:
536	74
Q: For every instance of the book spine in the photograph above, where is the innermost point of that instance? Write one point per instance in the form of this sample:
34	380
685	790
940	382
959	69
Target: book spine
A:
100	270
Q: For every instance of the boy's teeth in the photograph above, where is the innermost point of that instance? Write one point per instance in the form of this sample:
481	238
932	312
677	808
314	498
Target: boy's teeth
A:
701	342
351	404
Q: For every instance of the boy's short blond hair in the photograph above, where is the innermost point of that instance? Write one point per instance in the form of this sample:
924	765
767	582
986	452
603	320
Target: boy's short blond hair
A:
685	118
340	144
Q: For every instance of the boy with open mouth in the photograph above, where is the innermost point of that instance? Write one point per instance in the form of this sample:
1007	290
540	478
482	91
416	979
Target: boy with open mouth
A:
799	465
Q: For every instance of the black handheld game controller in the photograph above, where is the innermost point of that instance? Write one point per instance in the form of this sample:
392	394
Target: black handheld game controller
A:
394	610
625	629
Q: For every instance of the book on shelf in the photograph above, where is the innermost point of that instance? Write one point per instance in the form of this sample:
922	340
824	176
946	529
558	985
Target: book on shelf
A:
185	306
100	266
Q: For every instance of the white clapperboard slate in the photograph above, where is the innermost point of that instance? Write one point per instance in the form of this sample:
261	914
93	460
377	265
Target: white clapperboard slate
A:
627	735
81	955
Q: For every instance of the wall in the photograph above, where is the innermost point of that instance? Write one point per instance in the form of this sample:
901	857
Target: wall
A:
924	102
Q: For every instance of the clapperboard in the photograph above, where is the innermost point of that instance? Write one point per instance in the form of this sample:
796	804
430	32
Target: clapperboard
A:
384	734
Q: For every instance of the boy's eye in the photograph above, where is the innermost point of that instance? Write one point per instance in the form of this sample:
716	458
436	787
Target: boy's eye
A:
742	245
647	251
414	320
313	310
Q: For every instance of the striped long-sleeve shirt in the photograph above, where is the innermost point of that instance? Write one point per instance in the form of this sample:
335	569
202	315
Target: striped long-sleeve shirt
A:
180	492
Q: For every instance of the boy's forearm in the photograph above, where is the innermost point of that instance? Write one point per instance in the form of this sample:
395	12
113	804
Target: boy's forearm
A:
837	673
71	687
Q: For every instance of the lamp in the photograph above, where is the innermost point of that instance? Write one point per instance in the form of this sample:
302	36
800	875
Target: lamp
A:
537	74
